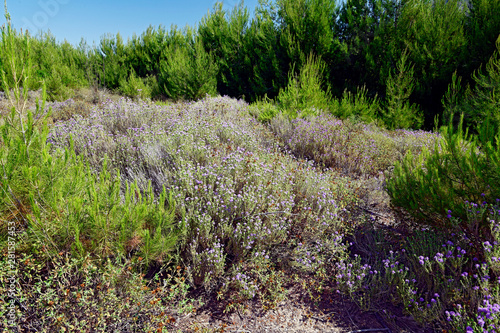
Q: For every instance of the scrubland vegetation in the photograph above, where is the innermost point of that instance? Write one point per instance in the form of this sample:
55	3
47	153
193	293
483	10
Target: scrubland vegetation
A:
247	156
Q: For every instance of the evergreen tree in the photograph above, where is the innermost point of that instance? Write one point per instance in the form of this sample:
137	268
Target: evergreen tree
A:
267	63
399	113
224	34
482	29
433	33
366	27
114	60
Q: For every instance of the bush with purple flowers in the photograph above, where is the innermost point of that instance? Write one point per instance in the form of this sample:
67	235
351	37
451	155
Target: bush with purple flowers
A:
252	204
237	194
205	197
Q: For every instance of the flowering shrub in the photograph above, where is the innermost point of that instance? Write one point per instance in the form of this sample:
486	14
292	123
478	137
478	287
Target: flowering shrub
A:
237	194
240	206
354	149
437	277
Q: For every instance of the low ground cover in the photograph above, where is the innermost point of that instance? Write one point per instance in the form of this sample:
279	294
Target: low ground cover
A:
185	202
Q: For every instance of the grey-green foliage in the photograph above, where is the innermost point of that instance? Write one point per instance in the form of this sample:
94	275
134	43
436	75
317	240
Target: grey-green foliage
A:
189	70
304	94
399	112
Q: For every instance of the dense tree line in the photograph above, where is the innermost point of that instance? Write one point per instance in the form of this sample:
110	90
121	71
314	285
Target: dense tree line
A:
361	43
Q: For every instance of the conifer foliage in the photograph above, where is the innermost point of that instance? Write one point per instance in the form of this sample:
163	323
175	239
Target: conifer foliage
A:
230	52
461	168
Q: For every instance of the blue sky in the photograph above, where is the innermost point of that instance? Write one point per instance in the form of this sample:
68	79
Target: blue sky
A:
90	19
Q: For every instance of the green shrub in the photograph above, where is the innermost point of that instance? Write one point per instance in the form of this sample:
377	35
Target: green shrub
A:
399	113
134	87
54	201
434	186
462	168
57	89
189	72
264	110
484	101
453	100
14	58
357	105
57	65
152	86
304	94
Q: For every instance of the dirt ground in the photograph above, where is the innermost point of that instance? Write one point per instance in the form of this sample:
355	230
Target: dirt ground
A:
334	314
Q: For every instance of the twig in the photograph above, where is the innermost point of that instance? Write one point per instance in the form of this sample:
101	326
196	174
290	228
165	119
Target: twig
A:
381	320
221	319
186	316
348	314
371	330
372	212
